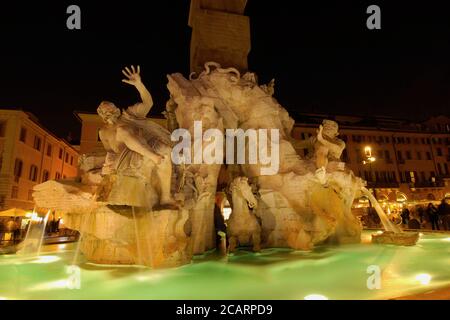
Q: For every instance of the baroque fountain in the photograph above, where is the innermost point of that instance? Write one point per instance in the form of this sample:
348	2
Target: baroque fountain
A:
133	206
149	199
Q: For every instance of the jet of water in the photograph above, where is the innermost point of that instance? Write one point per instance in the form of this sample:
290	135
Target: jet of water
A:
138	245
35	235
387	224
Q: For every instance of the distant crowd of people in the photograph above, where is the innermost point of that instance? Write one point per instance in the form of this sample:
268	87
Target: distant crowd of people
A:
12	231
429	217
418	217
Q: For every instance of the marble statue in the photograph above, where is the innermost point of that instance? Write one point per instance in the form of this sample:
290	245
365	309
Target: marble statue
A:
327	146
136	148
243	227
133	206
325	149
296	209
123	203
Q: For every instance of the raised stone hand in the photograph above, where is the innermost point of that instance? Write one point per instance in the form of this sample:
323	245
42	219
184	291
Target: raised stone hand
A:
319	134
132	76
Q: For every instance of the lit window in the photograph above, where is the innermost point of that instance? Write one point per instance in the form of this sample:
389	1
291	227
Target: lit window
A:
37	143
49	150
18	165
45	176
15	192
408	155
33	173
23	135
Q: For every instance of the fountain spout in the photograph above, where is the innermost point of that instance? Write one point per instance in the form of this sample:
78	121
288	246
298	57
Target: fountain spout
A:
387	224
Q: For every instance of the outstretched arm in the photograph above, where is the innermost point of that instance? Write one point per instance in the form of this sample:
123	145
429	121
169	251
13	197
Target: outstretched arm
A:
133	78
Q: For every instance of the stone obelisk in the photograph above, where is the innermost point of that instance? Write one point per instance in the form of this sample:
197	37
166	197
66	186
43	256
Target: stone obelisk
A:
220	33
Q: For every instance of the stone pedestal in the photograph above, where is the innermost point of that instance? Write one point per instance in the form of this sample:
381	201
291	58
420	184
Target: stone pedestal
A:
117	236
220	32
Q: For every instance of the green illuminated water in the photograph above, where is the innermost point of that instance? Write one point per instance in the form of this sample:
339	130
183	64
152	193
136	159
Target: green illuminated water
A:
333	272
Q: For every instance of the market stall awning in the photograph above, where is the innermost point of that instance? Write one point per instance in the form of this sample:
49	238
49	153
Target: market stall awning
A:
14	212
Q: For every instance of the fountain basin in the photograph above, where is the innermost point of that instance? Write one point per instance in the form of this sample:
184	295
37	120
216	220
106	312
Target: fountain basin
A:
334	272
396	238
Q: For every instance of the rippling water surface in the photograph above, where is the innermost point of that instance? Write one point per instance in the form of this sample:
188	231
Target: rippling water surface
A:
327	272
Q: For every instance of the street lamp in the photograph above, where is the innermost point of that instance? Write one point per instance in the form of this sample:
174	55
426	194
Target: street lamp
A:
369	159
368	156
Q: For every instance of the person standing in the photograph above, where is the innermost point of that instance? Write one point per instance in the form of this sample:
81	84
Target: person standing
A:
405	216
433	216
420	213
17	230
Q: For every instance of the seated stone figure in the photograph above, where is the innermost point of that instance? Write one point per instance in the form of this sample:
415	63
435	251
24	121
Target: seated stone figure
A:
138	162
328	147
325	149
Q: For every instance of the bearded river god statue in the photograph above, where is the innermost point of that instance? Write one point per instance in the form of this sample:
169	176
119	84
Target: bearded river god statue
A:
138	160
132	205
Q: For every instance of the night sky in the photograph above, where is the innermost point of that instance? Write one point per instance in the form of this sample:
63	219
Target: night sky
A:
322	56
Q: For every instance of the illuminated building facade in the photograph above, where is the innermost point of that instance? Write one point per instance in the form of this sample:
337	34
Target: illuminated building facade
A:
411	161
29	155
400	160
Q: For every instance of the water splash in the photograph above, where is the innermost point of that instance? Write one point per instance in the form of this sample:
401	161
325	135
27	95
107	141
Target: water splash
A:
42	236
138	245
35	235
387	224
83	225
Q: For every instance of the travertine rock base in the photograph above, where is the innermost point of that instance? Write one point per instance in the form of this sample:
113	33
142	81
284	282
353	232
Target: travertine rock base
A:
153	238
281	225
324	218
400	239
